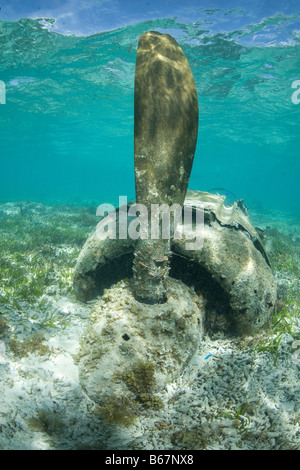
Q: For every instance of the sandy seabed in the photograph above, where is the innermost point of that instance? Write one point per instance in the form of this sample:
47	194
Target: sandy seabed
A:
233	395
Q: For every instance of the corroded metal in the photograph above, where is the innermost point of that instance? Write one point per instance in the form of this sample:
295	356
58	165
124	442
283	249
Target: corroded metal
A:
165	135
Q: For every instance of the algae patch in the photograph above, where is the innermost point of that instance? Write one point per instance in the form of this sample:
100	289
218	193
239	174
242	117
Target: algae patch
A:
118	409
32	344
141	381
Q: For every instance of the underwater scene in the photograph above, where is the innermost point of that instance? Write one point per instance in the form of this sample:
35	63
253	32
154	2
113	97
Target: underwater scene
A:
150	226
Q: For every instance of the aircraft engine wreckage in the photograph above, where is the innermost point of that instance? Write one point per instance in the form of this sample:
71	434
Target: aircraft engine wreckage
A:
160	294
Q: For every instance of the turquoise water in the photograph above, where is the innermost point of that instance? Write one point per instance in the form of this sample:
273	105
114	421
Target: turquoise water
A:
66	132
67	125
